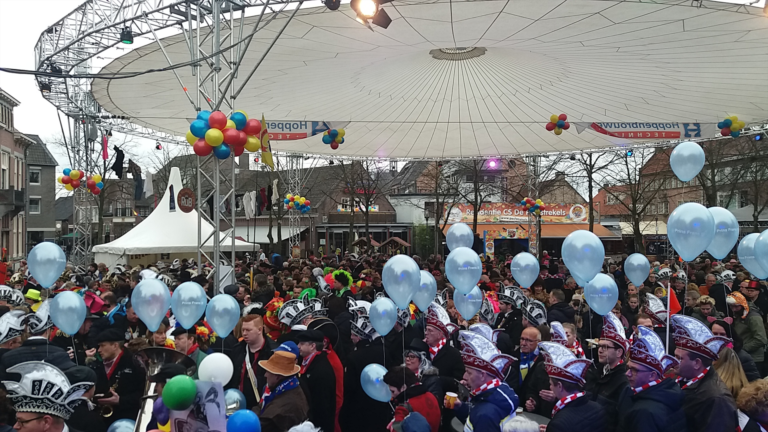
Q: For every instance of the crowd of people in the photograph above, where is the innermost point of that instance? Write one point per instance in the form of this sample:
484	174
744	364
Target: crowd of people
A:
684	351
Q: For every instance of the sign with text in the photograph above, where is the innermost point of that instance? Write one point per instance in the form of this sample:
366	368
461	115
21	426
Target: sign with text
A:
186	200
289	130
650	130
515	213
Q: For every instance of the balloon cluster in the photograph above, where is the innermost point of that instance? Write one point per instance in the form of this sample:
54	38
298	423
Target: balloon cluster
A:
297	202
73	179
558	123
213	133
534	207
334	137
731	126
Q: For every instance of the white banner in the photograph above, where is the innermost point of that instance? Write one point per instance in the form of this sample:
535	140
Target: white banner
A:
651	130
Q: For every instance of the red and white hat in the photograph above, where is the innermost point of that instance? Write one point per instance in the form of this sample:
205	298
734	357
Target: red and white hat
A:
438	317
478	352
648	349
557	333
562	364
656	310
692	335
613	330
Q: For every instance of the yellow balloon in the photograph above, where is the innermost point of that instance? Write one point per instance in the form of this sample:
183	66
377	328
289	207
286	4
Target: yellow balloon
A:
733	119
68	187
230	125
191	138
341	133
739	126
96	178
538	201
59	179
74	174
554	118
301	200
243	113
339	138
214	137
288	196
558	131
253	144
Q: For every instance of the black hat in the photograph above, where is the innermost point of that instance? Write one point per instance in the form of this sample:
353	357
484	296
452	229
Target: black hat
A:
78	374
168	371
327	327
418	345
310	336
179	330
111	334
231	289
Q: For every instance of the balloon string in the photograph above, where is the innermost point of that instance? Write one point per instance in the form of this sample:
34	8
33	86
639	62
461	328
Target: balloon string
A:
74	351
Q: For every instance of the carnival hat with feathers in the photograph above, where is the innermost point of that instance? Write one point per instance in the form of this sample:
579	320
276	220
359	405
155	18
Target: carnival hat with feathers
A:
692	335
512	295
487	311
655	309
648	350
361	323
438	317
557	333
44	389
535	312
441	298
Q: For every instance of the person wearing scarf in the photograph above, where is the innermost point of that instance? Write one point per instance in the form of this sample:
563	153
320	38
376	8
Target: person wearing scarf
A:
283	403
187	342
318	379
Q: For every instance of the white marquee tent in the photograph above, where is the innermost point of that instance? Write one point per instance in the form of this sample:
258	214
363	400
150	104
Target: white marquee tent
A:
163	232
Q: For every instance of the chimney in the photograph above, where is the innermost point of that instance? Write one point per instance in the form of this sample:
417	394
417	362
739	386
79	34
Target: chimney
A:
243	161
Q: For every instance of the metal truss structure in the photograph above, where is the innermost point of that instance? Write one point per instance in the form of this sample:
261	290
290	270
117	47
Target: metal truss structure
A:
64	54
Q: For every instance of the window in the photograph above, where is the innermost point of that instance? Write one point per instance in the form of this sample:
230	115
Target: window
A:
345	204
663	207
19	171
469	178
4	162
651	208
743	198
34	205
34	176
454	178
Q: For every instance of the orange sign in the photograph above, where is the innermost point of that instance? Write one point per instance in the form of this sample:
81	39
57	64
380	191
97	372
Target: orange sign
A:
513	213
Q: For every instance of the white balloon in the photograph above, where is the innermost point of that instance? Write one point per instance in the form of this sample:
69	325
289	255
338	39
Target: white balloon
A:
459	235
216	367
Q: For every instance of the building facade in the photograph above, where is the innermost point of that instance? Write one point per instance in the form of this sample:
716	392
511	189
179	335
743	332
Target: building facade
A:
41	195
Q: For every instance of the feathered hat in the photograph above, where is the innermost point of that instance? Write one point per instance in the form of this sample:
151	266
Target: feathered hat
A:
361	323
44	389
648	349
557	333
693	335
487	311
512	295
562	364
535	312
40	321
294	311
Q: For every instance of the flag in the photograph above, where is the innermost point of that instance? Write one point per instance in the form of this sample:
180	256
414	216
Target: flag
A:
266	148
674	304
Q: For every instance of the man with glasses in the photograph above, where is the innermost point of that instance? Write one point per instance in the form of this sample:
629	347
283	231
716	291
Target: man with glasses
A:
533	375
753	293
653	403
608	379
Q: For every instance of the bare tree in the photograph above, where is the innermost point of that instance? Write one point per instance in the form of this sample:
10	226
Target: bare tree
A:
589	167
722	171
477	184
755	179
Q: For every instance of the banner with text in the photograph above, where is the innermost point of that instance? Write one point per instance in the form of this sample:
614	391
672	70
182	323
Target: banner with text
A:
508	213
289	130
650	130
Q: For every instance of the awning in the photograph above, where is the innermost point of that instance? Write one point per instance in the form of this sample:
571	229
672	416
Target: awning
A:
562	230
397	240
364	241
647	228
512	226
72	235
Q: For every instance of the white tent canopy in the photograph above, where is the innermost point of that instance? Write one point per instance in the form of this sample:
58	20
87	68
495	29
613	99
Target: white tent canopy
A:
163	232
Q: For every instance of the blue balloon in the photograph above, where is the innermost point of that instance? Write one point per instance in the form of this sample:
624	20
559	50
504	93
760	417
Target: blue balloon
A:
400	278
222	314
469	304
68	312
748	256
463	269
720	125
67	171
151	301
286	201
372	380
327	139
690	230
601	294
234	399
203	115
342	140
726	233
333	133
637	268
525	269
426	291
761	250
222	151
383	315
583	254
188	303
100	185
687	160
122	425
46	263
244	420
727	122
160	411
199	128
579	281
560	123
735	134
239	119
459	235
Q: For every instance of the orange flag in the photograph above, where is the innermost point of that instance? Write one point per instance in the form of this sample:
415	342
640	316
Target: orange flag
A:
674	305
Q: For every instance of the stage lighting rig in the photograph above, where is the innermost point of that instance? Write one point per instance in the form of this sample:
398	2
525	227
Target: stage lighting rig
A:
126	36
370	12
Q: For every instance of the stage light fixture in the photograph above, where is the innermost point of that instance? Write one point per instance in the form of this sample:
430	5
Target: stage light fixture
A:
630	153
759	137
573	157
370	12
45	88
492	164
158	146
332	4
126	36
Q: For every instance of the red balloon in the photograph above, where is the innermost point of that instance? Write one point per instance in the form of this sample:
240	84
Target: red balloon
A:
334	145
252	127
97	191
231	136
566	126
201	148
242	139
562	117
66	180
75	184
550	126
723	132
292	198
239	150
90	184
306	202
217	120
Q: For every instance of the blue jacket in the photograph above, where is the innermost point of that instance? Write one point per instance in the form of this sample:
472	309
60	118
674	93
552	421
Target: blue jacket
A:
488	410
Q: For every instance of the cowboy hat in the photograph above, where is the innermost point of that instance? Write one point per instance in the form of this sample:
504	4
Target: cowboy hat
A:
281	363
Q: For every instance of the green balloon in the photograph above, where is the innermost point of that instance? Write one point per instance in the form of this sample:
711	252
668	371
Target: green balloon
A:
179	393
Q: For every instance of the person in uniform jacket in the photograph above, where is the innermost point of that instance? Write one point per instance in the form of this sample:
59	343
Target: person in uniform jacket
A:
86	415
708	404
510	318
607	380
36	347
77	343
443	356
317	379
651	403
246	355
573	411
119	380
533	375
330	339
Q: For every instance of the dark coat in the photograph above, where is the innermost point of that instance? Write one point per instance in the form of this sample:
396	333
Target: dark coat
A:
486	411
580	415
448	362
606	389
78	343
655	409
396	340
344	347
37	349
128	380
319	385
430	379
86	420
512	324
536	380
361	413
709	406
749	366
561	312
285	411
720	292
240	375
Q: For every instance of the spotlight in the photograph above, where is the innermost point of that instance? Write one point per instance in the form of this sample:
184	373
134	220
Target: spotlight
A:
573	157
492	164
370	12
630	153
759	137
126	36
367	8
45	88
158	146
332	4
382	19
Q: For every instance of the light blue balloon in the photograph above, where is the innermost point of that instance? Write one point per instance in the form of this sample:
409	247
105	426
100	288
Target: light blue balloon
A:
637	268
199	128
469	304
68	312
222	314
151	301
122	425
687	160
583	254
601	294
726	233
372	380
383	315
426	291
234	399
748	256
463	269
203	115
46	263
100	185
401	278
579	281
188	303
690	230
761	250
459	235
525	269
239	119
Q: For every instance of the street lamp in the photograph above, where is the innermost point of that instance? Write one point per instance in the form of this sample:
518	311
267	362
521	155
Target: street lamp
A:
427	214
